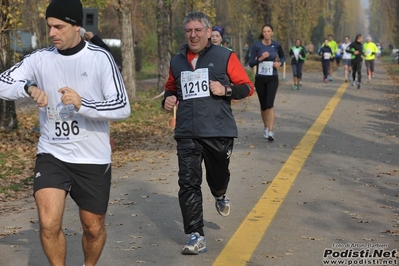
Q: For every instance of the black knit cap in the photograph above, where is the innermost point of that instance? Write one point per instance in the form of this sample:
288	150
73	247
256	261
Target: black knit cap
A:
70	11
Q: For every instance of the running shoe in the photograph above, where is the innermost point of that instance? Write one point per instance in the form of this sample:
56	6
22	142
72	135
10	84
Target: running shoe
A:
353	83
358	85
346	81
195	245
294	87
223	206
271	136
329	78
266	133
325	80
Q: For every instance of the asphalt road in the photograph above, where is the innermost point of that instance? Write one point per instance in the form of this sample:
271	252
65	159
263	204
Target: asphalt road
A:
327	186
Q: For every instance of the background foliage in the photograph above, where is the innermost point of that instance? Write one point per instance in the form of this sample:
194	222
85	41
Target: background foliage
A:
309	20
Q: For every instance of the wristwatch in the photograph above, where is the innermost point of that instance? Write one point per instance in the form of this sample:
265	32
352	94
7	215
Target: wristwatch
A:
28	84
228	91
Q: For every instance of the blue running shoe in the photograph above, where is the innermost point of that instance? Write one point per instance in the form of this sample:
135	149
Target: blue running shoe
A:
223	206
195	245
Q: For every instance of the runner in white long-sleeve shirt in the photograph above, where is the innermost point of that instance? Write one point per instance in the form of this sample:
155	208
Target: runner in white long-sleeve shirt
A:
79	89
346	58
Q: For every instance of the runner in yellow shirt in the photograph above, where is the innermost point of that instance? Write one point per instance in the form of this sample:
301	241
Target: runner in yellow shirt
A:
370	50
334	48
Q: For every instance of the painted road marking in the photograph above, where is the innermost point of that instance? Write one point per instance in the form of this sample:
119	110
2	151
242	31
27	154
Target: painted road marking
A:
243	243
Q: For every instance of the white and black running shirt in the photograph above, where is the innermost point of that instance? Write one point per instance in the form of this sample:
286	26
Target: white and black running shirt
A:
71	135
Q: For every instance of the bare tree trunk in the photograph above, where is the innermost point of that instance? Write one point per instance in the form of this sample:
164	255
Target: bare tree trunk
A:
240	48
33	18
10	122
128	60
267	11
189	6
8	114
164	32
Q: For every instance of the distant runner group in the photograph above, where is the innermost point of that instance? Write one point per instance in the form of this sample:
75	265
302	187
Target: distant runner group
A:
352	54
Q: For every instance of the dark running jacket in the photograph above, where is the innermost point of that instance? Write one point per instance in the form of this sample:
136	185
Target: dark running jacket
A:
355	46
208	116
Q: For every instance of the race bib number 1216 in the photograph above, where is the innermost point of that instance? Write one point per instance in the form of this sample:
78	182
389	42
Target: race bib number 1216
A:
195	84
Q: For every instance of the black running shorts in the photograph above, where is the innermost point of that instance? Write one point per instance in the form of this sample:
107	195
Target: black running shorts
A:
266	88
88	184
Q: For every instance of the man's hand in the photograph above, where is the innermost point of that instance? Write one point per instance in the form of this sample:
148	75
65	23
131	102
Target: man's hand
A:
69	96
38	95
217	88
170	102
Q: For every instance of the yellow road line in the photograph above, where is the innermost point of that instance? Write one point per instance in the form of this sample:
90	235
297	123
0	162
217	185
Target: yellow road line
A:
243	243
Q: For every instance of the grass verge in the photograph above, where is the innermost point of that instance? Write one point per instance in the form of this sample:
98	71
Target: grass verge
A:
392	68
149	71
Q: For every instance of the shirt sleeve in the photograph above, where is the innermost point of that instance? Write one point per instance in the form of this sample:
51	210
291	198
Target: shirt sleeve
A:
375	49
348	49
115	104
13	80
242	85
253	59
170	87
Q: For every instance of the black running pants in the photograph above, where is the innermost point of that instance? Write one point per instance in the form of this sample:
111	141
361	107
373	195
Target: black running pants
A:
215	153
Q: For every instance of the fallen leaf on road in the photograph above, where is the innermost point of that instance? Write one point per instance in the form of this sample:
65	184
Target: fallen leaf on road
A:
312	238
